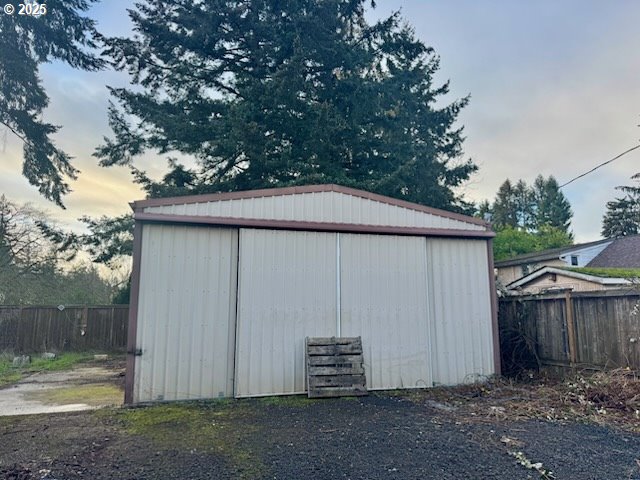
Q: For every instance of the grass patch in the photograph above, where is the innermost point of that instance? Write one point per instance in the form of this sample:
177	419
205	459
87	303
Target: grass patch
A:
217	427
7	378
10	374
63	362
97	394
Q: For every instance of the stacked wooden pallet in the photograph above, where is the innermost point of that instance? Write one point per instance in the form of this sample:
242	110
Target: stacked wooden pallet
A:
335	367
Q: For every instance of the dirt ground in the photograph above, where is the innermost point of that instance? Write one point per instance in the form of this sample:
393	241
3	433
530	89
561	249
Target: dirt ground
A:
441	434
84	386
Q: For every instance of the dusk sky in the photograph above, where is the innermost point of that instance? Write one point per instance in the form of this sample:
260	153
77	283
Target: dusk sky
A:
555	90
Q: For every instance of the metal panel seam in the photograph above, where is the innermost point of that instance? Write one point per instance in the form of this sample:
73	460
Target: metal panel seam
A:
430	309
233	328
237	326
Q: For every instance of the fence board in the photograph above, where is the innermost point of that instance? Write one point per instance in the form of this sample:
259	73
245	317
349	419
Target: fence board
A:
74	328
533	329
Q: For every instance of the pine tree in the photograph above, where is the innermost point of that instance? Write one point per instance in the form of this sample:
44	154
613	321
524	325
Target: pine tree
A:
529	219
25	43
505	207
551	206
265	94
525	205
623	214
621	218
531	208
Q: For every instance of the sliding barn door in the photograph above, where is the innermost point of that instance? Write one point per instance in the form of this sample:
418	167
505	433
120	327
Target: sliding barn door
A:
384	299
286	292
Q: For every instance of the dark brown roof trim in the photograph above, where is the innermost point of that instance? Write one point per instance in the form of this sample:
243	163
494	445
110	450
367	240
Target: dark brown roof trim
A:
272	192
495	328
309	226
132	331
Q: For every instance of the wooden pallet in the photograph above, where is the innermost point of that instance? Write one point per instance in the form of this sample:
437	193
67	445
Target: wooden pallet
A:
335	367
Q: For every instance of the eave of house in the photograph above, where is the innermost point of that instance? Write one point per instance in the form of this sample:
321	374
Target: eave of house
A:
567	273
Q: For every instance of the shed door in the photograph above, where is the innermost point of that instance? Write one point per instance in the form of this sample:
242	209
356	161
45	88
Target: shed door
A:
186	313
286	292
384	299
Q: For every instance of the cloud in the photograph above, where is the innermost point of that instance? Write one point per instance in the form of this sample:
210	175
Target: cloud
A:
554	90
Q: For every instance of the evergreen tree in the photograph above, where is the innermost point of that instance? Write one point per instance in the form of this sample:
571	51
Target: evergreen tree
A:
25	43
623	214
525	206
621	218
531	208
484	210
529	219
505	207
631	190
551	206
267	93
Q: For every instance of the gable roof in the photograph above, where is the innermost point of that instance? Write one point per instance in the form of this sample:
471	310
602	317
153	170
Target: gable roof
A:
567	273
313	206
551	254
624	252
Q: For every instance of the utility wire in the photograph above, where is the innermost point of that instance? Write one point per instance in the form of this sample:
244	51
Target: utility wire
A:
598	166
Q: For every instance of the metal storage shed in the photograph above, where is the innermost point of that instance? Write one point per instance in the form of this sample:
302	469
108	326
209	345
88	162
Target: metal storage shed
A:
227	286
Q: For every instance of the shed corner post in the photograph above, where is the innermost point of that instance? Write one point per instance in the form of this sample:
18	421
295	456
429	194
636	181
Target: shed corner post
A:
132	328
494	309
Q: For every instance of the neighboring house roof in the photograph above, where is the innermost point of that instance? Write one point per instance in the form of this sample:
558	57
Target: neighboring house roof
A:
624	252
551	254
520	283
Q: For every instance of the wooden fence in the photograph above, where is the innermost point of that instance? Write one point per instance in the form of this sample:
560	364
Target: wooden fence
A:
72	328
581	329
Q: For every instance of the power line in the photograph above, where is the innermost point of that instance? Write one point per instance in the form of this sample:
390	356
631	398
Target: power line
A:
598	166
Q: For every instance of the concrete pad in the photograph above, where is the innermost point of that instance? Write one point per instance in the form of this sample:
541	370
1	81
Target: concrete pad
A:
53	392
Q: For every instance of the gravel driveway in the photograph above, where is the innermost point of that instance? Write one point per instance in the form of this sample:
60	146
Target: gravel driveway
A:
376	437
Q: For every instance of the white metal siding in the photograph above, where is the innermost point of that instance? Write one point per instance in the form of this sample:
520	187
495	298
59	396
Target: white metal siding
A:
186	313
385	300
287	291
331	207
461	309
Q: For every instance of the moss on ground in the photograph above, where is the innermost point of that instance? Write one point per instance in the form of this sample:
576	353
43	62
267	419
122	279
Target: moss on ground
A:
96	394
210	427
287	401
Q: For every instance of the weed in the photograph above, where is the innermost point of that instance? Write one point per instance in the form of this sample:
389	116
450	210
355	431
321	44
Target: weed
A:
611	398
544	473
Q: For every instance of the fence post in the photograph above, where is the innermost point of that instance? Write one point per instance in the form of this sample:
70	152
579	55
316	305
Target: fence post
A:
571	329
